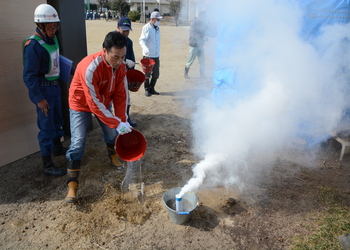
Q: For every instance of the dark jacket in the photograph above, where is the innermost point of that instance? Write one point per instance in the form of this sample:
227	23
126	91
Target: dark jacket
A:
130	51
36	64
198	33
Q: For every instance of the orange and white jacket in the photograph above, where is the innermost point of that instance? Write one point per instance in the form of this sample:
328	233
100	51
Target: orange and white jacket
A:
95	87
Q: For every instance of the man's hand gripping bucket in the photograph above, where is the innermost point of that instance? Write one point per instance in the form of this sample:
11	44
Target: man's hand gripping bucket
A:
131	146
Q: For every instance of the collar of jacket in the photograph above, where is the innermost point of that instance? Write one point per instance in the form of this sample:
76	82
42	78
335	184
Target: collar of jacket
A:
156	27
46	40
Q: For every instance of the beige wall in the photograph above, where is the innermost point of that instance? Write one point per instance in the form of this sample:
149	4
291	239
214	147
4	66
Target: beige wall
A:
18	129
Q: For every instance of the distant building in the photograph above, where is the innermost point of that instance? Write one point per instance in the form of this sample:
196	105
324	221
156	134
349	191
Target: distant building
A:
189	10
150	5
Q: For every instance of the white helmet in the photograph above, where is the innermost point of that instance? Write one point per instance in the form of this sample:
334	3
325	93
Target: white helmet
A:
45	13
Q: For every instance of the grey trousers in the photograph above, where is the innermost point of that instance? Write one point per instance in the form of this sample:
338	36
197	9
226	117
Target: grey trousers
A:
196	52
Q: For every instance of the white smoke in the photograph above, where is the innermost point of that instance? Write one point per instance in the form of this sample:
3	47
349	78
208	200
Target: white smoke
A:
289	90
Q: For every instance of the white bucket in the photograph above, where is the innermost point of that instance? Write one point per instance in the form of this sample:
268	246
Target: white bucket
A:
189	203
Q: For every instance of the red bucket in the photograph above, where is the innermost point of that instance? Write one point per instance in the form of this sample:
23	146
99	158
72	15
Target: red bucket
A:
135	79
131	146
147	65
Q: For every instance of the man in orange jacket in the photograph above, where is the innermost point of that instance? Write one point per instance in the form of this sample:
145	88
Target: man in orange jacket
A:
99	81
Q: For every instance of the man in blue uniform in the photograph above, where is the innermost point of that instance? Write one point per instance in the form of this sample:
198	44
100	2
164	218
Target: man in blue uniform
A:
40	75
124	27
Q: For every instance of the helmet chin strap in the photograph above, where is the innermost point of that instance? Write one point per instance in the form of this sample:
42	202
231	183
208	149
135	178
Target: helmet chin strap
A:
42	29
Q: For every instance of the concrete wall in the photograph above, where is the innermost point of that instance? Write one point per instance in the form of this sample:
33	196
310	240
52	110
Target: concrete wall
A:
18	128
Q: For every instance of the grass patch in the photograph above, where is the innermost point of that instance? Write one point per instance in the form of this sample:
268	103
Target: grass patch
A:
327	226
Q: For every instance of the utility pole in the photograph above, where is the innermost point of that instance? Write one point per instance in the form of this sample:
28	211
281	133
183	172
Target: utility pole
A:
144	12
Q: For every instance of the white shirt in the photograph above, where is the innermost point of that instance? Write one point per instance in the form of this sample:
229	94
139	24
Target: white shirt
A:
150	40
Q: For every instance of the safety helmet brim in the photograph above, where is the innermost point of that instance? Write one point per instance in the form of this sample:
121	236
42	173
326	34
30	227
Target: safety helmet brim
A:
45	13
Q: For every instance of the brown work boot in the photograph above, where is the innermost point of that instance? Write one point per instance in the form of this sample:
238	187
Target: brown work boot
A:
113	155
73	170
72	192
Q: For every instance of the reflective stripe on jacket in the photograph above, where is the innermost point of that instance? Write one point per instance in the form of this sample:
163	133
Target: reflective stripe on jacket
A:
95	87
53	50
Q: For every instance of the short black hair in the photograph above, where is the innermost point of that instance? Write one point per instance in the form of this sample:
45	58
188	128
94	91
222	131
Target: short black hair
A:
114	39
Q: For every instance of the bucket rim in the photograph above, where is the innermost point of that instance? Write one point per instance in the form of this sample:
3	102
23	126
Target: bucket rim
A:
197	199
136	74
140	154
150	61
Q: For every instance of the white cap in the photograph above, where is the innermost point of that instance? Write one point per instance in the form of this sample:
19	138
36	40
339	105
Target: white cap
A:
155	14
45	13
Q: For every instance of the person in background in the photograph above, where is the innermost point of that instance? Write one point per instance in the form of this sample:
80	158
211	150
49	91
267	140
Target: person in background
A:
40	74
150	44
124	27
99	81
176	20
198	36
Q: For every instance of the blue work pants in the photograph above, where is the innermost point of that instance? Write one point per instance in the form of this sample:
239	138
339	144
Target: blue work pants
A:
50	126
79	124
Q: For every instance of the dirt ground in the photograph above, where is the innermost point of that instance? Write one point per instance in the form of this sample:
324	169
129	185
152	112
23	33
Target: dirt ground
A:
34	216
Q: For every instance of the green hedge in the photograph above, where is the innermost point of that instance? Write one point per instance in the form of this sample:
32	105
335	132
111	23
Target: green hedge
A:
134	15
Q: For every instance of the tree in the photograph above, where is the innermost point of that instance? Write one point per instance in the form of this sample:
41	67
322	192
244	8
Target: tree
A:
175	7
121	7
134	15
93	6
103	4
